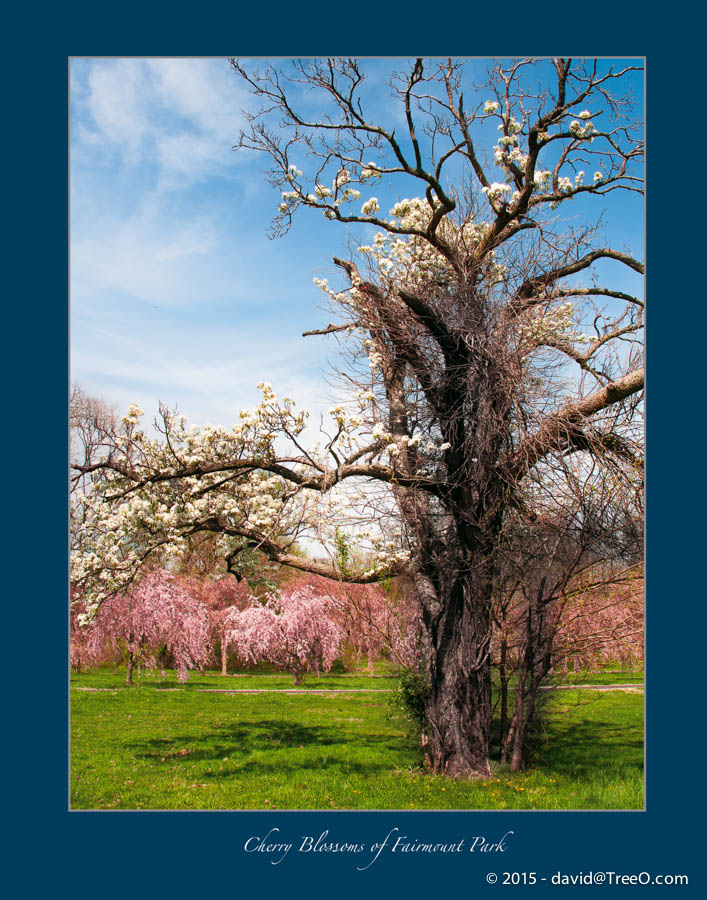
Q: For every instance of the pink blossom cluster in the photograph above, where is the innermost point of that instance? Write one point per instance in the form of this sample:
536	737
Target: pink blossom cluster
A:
304	629
158	611
601	627
594	626
223	599
375	621
295	632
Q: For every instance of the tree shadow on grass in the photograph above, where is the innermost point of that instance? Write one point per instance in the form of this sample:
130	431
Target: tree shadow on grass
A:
590	748
261	736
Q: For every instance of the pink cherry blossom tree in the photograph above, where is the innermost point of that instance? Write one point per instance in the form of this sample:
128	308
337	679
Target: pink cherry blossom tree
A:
375	620
156	611
295	632
601	625
224	599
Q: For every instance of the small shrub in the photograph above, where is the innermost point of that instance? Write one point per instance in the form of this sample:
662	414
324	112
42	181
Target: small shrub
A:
410	699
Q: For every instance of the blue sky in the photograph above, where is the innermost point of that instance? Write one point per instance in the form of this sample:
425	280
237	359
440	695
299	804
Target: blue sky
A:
177	294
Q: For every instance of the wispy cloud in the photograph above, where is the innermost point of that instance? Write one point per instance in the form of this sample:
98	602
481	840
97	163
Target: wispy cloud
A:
147	256
177	295
180	116
210	372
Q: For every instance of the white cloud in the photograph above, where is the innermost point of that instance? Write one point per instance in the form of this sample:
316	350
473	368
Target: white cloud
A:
211	372
177	294
204	91
185	155
146	257
182	115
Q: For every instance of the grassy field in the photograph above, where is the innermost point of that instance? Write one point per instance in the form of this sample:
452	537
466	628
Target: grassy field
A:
611	677
162	745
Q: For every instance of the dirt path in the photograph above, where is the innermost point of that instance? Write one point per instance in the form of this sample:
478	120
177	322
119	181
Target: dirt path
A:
294	690
631	688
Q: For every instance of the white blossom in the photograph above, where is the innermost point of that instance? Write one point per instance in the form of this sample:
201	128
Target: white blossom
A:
370	170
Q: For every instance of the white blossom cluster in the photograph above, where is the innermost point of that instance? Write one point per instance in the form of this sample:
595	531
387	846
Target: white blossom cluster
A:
346	420
407	259
340	192
133	507
508	153
580	131
388	559
369	171
430	449
381	433
552	325
496	194
136	508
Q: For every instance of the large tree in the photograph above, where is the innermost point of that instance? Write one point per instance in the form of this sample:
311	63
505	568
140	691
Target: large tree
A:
157	611
563	577
295	632
463	317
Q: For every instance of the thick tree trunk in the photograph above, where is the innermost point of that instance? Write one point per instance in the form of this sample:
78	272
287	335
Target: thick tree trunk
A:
459	715
455	551
459	678
131	664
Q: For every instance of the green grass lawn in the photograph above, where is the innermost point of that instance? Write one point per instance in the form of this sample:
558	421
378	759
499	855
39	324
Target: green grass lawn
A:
212	681
161	745
611	677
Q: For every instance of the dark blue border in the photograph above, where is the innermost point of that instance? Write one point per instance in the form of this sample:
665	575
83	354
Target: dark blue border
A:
113	854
